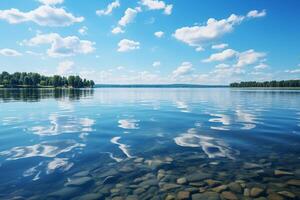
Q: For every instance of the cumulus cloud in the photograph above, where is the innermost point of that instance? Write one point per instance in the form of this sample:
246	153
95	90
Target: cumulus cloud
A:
159	34
184	69
219	46
83	30
109	8
156	64
128	17
117	30
198	49
256	14
62	46
261	66
198	35
222	66
249	57
158	5
9	52
44	15
51	2
65	67
128	45
222	56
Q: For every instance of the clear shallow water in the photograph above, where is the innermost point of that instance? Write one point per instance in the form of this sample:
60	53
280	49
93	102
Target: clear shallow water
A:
110	143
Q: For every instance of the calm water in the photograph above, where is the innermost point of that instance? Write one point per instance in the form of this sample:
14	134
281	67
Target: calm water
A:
149	144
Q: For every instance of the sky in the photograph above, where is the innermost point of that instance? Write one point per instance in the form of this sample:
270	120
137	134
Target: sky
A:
152	41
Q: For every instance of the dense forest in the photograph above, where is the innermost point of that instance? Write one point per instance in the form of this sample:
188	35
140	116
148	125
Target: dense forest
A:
23	79
287	83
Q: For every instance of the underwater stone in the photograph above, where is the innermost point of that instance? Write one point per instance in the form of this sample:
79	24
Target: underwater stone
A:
79	181
256	191
229	195
183	195
235	187
294	182
181	181
206	196
282	173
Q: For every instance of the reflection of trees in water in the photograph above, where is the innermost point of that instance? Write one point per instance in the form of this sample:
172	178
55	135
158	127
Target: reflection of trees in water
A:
31	94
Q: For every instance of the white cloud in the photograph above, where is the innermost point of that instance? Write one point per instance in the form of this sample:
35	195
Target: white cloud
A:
128	17
184	69
198	49
222	66
197	35
159	34
156	64
44	15
128	45
51	2
261	66
222	56
34	53
219	46
9	52
249	57
65	67
158	5
256	14
117	30
109	8
62	46
293	71
83	30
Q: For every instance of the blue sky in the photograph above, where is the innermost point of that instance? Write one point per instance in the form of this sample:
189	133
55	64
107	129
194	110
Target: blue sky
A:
152	41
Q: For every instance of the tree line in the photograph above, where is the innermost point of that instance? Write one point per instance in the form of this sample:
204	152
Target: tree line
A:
24	79
286	83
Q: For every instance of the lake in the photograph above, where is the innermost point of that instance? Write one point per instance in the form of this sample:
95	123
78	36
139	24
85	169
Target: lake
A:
150	143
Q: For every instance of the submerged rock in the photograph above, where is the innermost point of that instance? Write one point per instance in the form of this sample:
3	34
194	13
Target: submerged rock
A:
256	192
183	195
65	192
248	165
169	186
199	176
79	181
274	196
235	187
229	195
181	181
132	197
82	173
294	182
212	182
278	172
206	196
220	188
91	196
287	194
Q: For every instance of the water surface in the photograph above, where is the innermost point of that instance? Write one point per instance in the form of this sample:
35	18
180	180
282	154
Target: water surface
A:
111	143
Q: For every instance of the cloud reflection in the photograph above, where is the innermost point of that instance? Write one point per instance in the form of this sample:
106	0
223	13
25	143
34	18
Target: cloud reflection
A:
220	118
128	123
123	147
211	146
182	106
247	119
44	149
63	124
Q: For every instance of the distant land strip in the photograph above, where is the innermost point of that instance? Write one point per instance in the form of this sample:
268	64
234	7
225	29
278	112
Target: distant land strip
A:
268	84
35	80
158	86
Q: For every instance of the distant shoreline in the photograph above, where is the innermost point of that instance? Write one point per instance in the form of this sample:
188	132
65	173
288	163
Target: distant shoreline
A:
158	86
